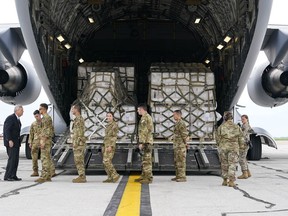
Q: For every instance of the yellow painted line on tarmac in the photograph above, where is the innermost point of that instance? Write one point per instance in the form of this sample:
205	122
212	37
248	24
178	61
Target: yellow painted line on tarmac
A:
130	202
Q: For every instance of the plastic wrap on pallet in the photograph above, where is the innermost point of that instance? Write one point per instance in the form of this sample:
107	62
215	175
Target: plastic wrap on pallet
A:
203	121
105	91
126	73
188	87
162	115
128	78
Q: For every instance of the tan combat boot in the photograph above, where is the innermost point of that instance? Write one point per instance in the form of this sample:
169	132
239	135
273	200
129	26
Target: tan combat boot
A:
80	179
225	182
41	180
115	179
231	183
34	174
145	181
244	175
249	173
108	180
174	179
138	179
181	180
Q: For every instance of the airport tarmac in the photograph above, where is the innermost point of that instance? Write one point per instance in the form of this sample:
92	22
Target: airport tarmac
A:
264	194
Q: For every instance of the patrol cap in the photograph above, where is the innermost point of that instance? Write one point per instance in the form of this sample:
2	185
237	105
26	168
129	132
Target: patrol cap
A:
227	115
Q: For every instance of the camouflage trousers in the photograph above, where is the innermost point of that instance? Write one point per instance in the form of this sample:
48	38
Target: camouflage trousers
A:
78	152
46	162
228	160
147	162
52	166
243	158
107	163
180	161
34	153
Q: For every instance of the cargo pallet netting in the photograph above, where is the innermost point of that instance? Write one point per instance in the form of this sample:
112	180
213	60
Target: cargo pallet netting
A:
186	87
107	88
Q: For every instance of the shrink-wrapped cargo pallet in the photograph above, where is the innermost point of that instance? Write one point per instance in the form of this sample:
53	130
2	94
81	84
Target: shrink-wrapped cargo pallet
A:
105	91
187	87
126	73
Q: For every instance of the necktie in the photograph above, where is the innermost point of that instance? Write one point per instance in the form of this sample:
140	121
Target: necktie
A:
19	122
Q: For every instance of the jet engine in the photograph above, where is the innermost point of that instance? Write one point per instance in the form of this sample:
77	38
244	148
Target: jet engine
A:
268	86
19	83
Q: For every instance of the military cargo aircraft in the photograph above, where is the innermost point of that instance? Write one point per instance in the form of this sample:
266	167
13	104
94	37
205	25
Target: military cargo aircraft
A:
71	42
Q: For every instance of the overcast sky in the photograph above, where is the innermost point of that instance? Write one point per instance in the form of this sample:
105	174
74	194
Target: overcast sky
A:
274	120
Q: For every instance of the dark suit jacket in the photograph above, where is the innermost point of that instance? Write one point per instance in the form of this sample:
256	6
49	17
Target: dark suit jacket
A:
11	130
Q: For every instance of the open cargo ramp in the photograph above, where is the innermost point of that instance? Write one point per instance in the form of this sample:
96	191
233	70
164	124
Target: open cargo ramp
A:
200	158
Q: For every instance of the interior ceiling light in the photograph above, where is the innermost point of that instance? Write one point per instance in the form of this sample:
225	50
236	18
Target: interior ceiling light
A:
81	60
91	20
220	46
60	38
67	46
227	39
207	61
197	20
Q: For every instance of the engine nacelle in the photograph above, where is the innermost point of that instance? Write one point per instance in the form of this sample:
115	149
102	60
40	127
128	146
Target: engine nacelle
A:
268	86
19	84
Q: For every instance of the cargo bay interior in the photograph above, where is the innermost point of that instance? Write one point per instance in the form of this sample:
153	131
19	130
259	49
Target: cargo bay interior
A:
143	32
119	53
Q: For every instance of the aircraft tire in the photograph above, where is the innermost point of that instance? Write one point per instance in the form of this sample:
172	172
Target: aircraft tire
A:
255	152
27	148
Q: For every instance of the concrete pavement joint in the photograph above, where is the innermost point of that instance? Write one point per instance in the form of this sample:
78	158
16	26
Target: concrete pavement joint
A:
254	212
60	173
16	191
269	168
246	194
282	177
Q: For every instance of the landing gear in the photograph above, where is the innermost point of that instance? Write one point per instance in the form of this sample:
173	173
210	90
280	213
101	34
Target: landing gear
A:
25	139
255	152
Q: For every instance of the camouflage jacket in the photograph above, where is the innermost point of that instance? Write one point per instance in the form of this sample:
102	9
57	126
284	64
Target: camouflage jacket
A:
34	134
47	128
111	132
145	129
230	136
180	134
247	130
78	130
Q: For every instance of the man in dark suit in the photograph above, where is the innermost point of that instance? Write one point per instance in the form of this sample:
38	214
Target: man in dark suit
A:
11	130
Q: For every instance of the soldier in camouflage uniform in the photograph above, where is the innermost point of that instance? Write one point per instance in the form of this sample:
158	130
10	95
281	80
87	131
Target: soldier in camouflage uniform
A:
79	143
229	140
34	141
109	147
246	129
180	137
145	136
46	134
